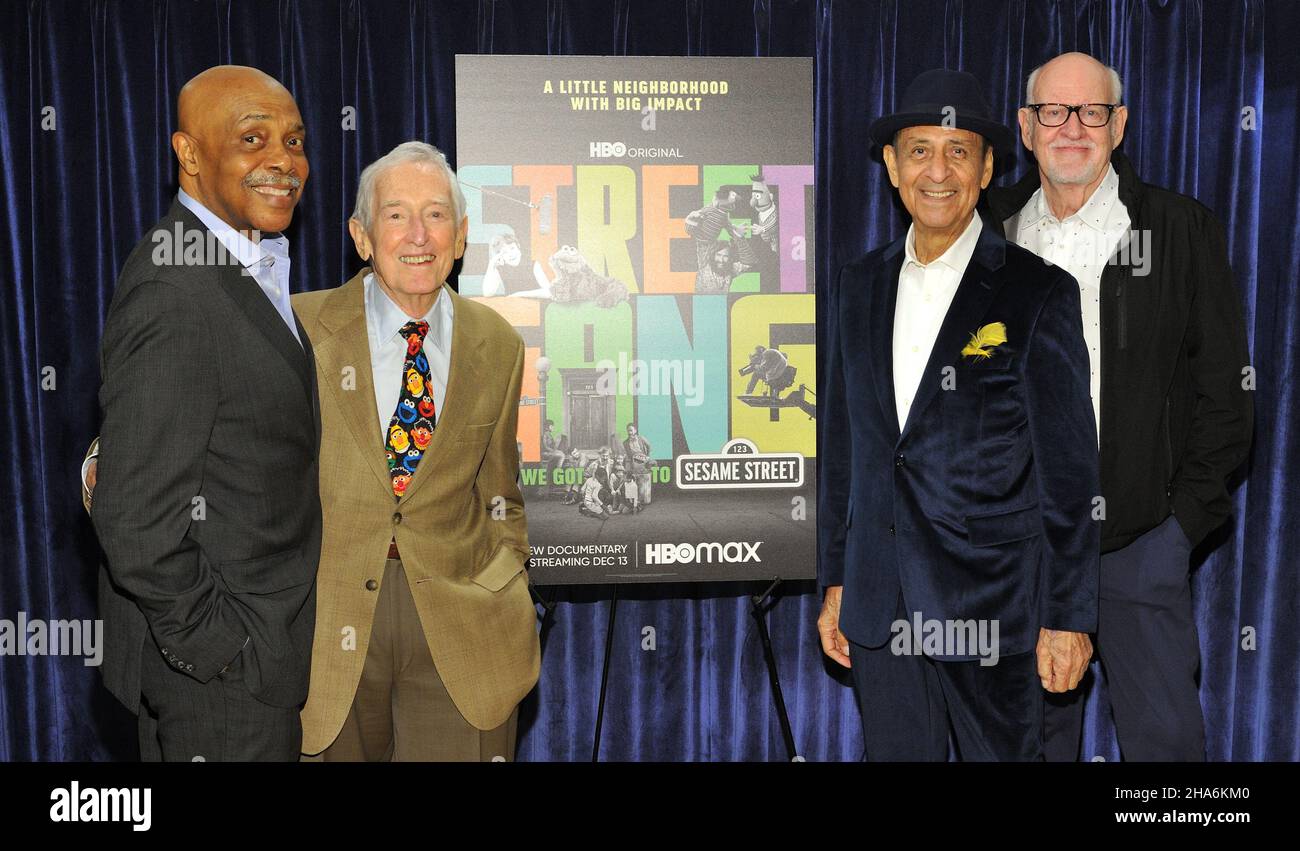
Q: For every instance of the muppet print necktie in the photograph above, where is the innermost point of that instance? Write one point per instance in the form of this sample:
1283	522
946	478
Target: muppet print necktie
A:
411	428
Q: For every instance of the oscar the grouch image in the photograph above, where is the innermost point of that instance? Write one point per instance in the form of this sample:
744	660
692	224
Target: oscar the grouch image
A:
576	282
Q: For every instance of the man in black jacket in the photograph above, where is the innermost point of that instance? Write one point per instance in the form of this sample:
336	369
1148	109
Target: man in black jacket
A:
1169	367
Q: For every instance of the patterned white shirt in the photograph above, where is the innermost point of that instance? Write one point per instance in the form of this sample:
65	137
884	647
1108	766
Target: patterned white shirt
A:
1081	244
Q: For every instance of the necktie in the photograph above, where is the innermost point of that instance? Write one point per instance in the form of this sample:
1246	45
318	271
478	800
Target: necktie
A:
411	428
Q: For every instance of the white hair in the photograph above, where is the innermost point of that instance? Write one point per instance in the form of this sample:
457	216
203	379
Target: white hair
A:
407	152
1116	85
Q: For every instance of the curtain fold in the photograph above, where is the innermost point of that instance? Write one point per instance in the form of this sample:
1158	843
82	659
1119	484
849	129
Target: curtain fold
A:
88	94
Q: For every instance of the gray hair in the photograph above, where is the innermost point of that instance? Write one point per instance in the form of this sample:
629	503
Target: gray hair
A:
1116	85
407	152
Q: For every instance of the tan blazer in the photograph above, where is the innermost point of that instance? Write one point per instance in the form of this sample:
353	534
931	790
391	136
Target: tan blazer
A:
463	549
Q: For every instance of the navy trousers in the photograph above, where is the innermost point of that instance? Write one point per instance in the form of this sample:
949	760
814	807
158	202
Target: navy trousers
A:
1146	639
909	704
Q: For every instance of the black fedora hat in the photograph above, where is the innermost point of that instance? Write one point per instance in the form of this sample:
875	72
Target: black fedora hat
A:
947	99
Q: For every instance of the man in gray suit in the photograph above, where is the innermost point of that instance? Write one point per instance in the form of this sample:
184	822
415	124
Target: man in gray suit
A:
206	502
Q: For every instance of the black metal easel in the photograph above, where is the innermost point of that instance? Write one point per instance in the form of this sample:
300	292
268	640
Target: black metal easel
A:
548	617
604	674
759	607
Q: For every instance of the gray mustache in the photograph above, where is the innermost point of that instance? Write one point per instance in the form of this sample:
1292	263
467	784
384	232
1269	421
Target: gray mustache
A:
289	181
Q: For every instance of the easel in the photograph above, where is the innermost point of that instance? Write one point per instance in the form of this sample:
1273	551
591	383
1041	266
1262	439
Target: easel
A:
760	605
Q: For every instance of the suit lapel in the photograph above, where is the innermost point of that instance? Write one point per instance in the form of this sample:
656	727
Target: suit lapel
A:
979	284
311	369
465	377
347	347
882	297
245	292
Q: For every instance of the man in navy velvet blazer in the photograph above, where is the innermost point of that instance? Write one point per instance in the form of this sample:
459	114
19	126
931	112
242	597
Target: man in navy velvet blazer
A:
957	542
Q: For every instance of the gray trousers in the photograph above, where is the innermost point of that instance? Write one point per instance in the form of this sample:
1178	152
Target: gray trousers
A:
184	720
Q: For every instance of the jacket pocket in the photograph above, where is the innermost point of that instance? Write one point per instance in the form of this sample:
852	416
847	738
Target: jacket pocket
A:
1000	358
475	432
1003	527
501	568
267	574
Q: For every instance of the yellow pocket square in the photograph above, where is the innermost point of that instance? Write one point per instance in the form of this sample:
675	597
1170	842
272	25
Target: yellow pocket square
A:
985	340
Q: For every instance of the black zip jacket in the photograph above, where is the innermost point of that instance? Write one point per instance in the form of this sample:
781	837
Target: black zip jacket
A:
1176	414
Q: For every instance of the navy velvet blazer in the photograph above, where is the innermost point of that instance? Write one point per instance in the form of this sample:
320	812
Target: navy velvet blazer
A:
983	506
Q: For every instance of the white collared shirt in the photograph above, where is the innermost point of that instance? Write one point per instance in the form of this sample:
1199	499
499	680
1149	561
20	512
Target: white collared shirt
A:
266	261
384	320
1081	244
924	294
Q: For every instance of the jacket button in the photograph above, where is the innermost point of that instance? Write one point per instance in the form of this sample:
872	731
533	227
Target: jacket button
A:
371	585
397	517
898	460
891	528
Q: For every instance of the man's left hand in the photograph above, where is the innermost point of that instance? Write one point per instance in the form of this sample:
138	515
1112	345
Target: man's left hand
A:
1062	658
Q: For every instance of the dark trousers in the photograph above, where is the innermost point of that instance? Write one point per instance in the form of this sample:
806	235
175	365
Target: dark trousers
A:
184	720
909	703
1146	639
402	711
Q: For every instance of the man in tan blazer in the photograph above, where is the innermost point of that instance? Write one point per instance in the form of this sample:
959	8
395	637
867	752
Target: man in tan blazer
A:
426	635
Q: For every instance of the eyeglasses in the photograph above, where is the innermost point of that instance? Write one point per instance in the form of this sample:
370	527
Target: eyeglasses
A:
1090	114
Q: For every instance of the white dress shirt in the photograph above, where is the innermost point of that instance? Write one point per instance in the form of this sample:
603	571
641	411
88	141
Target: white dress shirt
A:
925	292
266	261
1081	244
384	320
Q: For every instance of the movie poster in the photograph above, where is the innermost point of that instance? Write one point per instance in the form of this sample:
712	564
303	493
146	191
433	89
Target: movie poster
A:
646	224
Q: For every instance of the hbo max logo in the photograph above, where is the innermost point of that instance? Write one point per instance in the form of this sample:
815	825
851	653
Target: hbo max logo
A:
601	150
734	551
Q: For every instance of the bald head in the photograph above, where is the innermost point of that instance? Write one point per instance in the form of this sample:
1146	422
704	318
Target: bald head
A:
241	147
202	96
1075	70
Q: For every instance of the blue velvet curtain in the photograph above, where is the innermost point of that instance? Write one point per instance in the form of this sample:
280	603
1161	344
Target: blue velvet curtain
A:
88	92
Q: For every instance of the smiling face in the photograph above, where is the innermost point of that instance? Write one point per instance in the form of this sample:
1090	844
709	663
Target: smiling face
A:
939	172
413	241
1072	154
722	258
241	148
510	254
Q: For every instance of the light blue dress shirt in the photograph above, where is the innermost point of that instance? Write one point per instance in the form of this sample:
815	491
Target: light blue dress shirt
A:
267	261
388	349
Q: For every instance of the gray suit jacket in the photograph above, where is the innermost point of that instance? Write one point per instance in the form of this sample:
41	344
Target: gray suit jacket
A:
207	501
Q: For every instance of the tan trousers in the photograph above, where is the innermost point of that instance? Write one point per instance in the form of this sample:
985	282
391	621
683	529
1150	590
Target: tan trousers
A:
402	712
